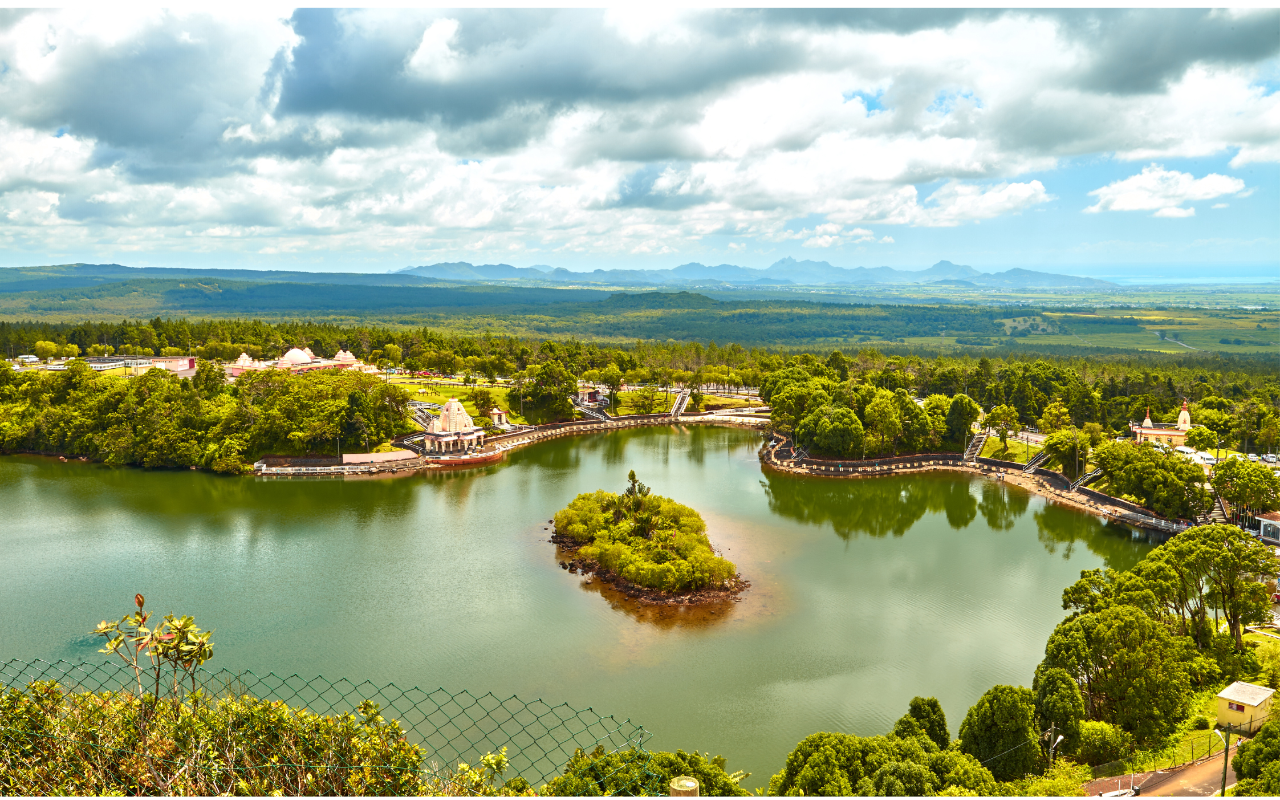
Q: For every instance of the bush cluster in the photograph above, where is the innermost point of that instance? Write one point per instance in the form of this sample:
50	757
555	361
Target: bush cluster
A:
54	742
648	540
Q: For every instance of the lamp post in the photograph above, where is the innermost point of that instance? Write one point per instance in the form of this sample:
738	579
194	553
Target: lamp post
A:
1226	755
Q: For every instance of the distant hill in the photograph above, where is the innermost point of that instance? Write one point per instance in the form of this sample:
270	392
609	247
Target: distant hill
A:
785	272
70	276
1026	279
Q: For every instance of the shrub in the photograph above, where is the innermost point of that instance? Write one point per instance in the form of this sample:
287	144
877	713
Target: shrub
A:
1200	722
1253	757
1267	784
837	764
1101	742
87	743
634	772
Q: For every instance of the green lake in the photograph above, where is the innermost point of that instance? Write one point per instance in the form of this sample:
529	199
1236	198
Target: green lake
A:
864	592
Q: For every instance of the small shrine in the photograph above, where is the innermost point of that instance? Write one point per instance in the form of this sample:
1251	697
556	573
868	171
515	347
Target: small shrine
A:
1162	432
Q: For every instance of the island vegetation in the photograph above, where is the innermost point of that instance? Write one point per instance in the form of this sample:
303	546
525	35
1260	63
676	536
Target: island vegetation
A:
649	546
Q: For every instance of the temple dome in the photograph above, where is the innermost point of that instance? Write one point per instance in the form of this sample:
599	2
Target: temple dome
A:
1184	418
294	357
344	357
453	417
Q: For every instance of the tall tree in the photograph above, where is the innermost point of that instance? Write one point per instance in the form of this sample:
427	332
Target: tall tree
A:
1131	671
1000	732
1240	564
1003	420
1059	706
1069	449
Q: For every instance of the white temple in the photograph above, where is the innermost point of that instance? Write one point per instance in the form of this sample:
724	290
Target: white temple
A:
453	431
301	360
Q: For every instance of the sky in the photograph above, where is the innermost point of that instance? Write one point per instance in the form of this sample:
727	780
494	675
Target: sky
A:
1097	142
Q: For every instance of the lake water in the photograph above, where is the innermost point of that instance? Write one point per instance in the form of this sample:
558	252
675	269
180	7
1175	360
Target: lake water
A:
864	593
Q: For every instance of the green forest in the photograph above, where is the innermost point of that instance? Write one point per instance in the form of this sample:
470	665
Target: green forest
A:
780	319
845	402
160	420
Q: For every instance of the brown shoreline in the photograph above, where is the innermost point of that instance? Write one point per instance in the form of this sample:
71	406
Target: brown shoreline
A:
651	597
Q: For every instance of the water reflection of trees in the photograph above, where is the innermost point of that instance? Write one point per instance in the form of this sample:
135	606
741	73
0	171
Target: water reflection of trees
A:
215	499
1060	528
882	506
662	616
558	454
1002	504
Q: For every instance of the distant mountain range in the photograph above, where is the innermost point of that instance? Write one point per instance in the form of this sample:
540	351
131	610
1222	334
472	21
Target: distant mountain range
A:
786	272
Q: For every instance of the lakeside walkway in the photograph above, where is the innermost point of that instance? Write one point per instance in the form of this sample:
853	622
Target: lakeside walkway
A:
500	444
779	454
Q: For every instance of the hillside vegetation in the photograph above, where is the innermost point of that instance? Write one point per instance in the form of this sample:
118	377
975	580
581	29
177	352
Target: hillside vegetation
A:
926	316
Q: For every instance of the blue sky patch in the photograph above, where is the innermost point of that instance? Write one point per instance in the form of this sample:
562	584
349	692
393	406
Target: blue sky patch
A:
871	101
946	100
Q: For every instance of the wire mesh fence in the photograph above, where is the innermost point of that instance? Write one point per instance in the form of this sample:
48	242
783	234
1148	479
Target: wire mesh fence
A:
93	728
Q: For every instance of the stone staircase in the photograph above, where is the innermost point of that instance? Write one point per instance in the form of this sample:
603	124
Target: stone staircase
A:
1036	460
1086	479
682	400
975	447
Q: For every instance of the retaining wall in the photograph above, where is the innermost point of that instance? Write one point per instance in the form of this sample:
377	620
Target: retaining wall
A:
1114	501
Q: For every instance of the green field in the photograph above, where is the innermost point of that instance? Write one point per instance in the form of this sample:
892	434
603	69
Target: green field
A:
920	319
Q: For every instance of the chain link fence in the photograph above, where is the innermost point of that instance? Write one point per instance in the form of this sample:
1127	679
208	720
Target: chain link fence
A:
95	728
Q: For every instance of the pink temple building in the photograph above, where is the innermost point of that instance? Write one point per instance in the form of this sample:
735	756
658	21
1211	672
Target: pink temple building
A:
453	431
1162	432
300	360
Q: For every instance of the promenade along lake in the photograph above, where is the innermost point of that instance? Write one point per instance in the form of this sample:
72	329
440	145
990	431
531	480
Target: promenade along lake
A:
864	592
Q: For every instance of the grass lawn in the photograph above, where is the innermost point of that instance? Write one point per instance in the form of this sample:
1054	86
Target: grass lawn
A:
717	403
431	392
1187	743
1019	452
627	403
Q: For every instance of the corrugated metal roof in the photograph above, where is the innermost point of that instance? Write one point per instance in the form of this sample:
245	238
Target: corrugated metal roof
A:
1247	693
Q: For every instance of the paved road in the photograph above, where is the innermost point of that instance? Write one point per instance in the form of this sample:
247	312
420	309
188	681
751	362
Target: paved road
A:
1198	780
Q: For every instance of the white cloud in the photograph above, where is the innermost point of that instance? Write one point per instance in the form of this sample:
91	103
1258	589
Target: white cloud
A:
1163	191
497	133
955	203
435	59
1220	205
952	204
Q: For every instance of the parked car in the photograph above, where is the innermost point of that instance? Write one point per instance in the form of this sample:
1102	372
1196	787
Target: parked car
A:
1270	458
1253	456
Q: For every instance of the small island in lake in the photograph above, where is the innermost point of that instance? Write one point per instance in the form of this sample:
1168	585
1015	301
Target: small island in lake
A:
649	547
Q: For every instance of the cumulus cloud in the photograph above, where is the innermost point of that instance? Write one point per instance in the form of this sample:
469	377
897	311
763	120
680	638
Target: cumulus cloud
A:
580	131
1163	191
